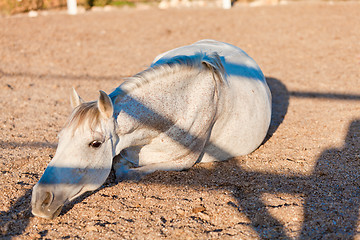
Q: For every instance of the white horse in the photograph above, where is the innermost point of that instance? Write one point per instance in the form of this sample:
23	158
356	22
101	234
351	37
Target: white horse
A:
205	102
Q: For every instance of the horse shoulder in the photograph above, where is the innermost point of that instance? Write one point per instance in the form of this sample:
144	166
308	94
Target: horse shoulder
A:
184	140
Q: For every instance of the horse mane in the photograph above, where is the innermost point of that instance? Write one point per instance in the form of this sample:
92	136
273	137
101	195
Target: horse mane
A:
89	112
168	66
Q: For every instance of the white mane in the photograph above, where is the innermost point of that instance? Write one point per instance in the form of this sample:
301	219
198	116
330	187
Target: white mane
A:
166	67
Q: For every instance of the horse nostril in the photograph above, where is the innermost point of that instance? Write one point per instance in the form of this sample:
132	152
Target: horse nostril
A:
47	200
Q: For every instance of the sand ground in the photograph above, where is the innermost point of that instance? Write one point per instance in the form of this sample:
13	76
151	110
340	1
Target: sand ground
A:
303	182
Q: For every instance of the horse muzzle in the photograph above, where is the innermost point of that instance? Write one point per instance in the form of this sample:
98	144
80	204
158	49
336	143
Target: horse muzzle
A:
45	202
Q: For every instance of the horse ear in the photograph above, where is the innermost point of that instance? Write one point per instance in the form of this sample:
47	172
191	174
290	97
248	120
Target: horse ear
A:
75	99
105	105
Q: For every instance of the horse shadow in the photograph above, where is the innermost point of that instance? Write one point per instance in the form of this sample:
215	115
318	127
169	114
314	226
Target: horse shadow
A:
331	208
331	204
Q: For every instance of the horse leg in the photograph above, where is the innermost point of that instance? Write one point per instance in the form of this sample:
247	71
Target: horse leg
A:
121	166
174	165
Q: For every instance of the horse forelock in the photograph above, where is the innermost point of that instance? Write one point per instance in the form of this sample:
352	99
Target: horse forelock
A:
86	114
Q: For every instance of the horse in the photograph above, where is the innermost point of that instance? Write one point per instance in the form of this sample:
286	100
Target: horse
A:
204	102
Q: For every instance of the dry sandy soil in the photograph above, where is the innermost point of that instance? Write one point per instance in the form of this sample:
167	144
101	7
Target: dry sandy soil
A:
302	183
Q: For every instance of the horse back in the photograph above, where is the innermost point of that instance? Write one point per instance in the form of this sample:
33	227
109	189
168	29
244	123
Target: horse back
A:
244	106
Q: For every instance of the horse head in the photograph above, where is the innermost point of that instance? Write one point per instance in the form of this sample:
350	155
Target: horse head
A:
83	158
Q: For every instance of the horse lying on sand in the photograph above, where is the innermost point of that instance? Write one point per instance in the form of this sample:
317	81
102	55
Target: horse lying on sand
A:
205	102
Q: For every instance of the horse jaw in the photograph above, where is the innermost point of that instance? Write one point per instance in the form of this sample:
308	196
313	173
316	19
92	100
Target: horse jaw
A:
51	193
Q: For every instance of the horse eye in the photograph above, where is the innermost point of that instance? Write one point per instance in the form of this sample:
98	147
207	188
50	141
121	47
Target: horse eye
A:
95	144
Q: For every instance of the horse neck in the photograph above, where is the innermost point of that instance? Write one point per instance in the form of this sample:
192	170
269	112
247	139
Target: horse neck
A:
154	88
153	106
